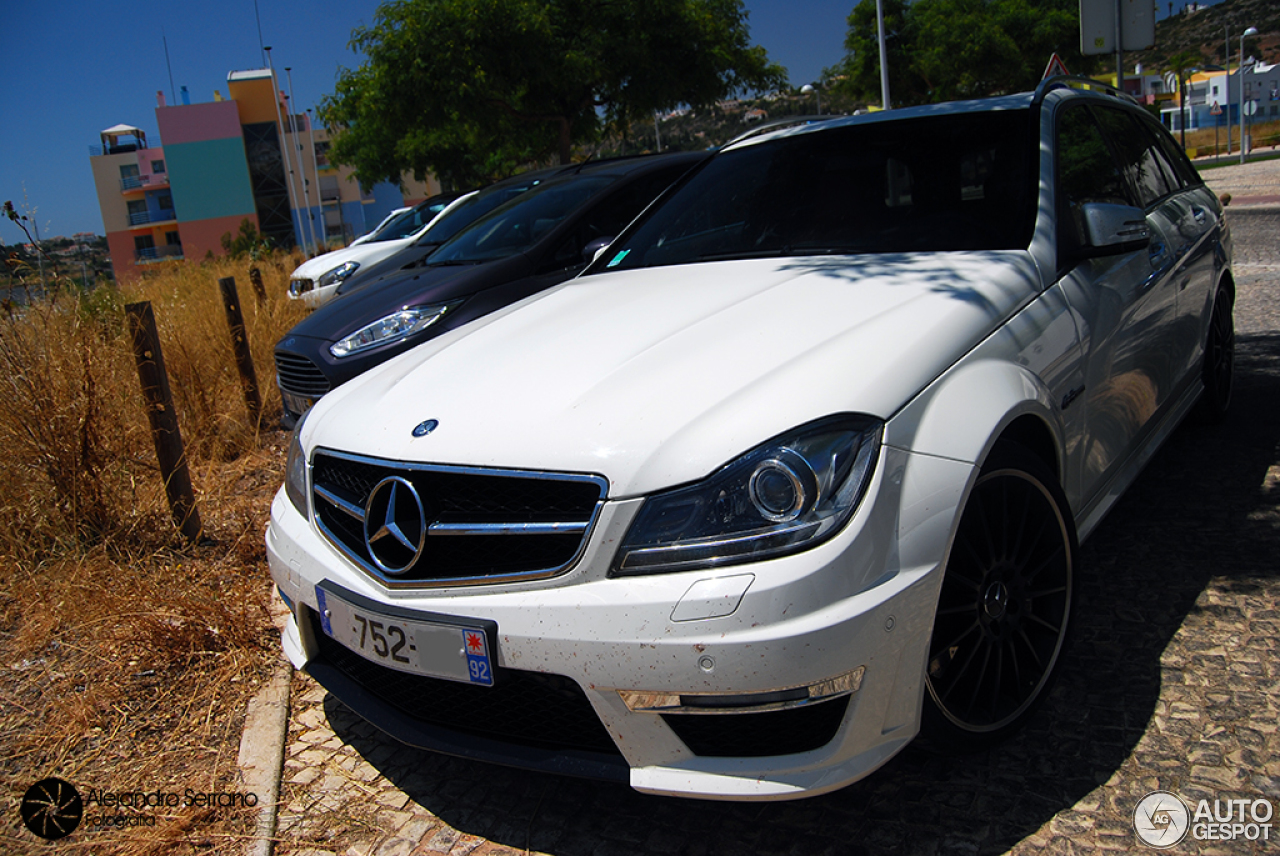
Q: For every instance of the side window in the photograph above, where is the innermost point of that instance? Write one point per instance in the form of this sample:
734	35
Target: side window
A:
1086	172
1181	164
1138	158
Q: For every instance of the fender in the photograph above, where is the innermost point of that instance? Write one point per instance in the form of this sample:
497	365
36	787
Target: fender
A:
962	414
1028	372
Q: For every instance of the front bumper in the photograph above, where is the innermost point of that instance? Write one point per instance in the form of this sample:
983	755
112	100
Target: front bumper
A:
589	650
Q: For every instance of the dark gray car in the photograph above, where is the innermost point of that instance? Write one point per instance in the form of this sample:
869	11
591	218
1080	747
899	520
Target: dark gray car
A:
541	238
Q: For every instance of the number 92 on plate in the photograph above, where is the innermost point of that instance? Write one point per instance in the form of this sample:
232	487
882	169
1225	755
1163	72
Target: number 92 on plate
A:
421	646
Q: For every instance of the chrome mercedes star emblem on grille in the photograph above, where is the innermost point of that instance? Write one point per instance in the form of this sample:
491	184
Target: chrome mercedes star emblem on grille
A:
395	525
422	429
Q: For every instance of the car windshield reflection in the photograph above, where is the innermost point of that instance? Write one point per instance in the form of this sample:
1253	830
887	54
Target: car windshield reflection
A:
938	183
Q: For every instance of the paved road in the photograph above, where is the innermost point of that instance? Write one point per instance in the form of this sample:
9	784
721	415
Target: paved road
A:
1172	682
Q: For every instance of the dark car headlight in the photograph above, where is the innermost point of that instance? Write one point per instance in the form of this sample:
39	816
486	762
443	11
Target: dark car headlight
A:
295	469
784	496
391	328
338	274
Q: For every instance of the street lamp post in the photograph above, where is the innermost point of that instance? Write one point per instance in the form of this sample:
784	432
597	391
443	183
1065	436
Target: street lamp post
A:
1226	79
1252	31
884	56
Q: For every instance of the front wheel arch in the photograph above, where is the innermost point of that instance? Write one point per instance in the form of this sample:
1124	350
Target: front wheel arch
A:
1004	605
1218	361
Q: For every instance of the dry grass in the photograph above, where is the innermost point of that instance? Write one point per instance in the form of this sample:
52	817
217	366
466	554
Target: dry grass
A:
1264	135
126	654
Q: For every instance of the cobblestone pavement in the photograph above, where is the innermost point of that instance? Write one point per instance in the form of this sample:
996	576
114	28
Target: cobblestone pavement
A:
1254	181
1172	682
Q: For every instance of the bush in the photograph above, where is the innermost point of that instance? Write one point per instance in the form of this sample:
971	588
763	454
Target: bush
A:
79	463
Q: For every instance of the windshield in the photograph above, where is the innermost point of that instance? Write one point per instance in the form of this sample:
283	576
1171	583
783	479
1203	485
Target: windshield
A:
961	181
476	206
515	227
413	219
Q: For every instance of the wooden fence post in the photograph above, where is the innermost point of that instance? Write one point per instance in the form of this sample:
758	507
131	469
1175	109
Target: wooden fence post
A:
163	418
259	290
240	347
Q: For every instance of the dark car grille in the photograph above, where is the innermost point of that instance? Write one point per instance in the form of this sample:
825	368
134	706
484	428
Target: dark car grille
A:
526	708
760	735
300	376
481	525
300	286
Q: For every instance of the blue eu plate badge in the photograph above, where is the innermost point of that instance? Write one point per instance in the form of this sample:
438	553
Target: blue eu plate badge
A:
477	657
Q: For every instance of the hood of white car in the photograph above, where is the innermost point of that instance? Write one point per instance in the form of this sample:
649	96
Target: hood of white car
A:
363	253
656	377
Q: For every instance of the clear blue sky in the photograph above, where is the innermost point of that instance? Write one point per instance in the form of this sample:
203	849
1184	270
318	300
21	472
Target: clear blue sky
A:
74	68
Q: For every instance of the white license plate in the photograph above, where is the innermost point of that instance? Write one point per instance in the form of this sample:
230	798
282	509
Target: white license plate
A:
296	403
456	652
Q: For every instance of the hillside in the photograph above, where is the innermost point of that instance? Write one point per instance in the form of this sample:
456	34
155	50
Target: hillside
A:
1205	32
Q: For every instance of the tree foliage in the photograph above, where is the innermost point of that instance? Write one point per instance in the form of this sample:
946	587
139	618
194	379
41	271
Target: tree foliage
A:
941	50
247	242
470	89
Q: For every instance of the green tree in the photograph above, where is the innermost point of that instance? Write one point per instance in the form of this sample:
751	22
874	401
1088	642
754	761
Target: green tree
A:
248	242
470	89
858	74
940	50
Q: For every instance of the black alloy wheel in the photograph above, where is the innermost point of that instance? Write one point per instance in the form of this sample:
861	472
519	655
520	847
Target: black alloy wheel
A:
1004	607
1219	361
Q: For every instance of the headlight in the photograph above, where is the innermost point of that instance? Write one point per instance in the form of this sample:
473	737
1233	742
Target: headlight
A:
787	495
339	273
295	469
392	328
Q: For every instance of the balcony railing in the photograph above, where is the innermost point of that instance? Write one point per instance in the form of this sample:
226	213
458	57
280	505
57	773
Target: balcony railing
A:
98	151
141	218
158	254
136	182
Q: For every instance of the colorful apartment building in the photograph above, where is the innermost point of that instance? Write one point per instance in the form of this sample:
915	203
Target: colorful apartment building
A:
221	163
1214	98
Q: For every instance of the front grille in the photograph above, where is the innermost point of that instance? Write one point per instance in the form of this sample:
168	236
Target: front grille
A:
299	286
300	376
480	525
525	708
760	735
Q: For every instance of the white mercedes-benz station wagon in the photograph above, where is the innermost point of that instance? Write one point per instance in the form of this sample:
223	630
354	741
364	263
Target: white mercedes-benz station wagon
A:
796	469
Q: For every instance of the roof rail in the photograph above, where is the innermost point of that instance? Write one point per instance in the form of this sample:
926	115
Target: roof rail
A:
1074	81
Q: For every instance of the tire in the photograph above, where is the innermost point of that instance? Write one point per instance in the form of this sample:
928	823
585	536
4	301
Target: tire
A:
1005	605
1218	372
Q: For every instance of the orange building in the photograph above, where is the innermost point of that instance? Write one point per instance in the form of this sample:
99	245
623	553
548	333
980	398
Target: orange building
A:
224	162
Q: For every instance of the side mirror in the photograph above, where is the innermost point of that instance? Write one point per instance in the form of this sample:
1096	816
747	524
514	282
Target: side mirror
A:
594	248
1111	230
